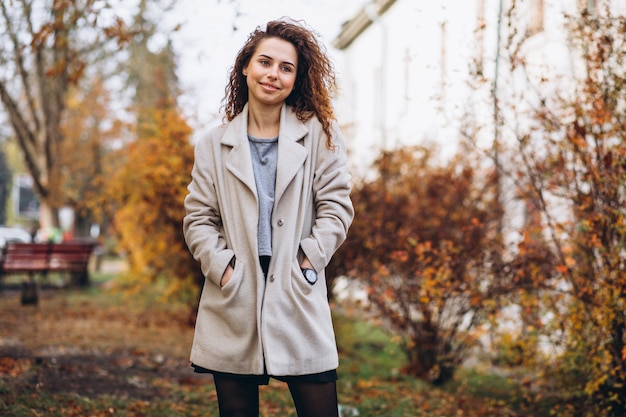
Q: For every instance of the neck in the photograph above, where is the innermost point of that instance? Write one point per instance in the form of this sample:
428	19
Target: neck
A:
263	122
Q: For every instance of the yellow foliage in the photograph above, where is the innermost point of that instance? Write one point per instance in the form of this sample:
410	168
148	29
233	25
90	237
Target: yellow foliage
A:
147	193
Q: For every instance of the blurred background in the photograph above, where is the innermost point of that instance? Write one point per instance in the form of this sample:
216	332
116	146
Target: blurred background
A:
486	142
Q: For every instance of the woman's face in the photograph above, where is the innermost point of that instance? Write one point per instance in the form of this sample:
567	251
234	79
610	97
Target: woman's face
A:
271	72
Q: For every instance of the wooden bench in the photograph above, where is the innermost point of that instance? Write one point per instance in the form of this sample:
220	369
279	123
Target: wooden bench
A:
43	258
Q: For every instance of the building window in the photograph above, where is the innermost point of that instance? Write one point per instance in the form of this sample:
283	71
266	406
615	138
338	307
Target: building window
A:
407	79
444	61
535	25
589	6
379	102
480	36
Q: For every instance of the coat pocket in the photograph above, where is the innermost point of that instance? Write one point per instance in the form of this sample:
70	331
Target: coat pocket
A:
298	282
233	286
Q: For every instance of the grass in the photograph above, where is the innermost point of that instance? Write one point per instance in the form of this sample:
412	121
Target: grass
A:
111	328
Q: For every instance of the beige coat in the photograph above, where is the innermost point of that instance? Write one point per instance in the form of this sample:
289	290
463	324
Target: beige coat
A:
284	323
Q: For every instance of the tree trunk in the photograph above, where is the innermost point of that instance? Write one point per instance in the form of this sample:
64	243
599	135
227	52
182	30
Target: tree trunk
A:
48	216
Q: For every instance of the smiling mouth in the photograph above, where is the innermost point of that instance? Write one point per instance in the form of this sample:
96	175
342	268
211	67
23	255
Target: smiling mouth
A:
269	87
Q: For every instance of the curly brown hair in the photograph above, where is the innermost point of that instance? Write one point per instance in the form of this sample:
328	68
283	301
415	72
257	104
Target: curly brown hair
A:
315	77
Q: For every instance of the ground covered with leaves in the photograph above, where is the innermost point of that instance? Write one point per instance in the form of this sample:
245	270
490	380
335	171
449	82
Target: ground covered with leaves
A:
98	353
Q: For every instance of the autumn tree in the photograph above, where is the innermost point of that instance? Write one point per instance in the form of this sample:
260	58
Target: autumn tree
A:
5	185
45	48
421	241
146	190
90	131
569	164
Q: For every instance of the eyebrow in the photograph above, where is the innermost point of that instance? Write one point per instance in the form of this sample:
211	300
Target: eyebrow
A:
284	62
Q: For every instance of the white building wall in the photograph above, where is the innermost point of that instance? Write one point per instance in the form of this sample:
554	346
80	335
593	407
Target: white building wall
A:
404	79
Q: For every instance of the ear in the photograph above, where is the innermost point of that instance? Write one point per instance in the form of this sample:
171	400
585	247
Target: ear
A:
245	71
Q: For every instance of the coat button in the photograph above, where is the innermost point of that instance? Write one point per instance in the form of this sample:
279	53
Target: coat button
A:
281	222
272	278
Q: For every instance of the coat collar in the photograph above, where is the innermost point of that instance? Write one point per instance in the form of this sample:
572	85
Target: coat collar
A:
291	154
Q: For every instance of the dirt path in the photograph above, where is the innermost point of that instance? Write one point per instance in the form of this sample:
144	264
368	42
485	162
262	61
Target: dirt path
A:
71	343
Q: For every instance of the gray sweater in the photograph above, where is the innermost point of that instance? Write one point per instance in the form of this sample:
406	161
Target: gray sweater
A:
264	153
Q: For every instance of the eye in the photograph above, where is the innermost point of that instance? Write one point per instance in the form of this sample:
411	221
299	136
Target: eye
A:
264	62
286	68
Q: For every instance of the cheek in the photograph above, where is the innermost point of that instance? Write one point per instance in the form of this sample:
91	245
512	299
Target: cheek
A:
291	82
248	81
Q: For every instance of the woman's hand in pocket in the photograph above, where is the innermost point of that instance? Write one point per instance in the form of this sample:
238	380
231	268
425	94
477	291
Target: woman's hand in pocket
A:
228	273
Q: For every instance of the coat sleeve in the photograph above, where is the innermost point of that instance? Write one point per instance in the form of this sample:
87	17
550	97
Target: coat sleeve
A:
202	224
333	207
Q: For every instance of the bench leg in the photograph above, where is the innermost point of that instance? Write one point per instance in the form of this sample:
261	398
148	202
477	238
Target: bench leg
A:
30	292
79	279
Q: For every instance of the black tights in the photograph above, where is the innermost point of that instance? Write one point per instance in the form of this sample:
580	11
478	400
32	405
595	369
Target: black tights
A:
239	398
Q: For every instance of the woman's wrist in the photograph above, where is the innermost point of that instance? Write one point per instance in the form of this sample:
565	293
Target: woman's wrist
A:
306	264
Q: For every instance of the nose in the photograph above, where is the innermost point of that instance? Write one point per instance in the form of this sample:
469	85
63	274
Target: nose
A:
273	71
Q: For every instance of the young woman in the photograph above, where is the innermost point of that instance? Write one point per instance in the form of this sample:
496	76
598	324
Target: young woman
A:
268	206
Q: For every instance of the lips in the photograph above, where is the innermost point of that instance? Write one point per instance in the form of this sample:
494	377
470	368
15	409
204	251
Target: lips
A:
269	87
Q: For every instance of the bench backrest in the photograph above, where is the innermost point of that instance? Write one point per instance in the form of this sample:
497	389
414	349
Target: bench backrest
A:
25	256
66	256
70	256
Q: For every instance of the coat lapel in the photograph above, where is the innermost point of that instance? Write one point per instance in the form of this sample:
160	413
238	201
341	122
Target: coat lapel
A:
239	162
291	154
